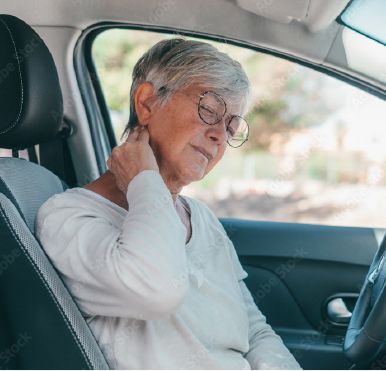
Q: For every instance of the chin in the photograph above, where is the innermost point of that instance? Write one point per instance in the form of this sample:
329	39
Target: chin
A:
193	173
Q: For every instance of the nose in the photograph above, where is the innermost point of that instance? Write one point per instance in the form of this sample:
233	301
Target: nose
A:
217	133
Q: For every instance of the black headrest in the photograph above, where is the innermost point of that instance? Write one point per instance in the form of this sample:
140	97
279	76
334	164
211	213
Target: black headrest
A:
31	103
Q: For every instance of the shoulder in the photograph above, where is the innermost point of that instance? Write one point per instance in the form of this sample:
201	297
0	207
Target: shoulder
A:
74	203
77	198
71	198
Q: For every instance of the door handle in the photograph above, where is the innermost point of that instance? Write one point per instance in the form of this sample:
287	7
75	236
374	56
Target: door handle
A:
339	308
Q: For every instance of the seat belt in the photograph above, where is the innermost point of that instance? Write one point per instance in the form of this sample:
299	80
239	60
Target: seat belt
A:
55	154
32	155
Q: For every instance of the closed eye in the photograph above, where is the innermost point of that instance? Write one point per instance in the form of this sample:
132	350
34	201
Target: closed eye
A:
230	131
207	109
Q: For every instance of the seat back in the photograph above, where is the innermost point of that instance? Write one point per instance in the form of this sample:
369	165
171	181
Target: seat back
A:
41	327
40	324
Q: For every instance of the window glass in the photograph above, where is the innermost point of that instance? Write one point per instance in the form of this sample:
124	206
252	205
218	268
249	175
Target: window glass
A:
367	17
316	150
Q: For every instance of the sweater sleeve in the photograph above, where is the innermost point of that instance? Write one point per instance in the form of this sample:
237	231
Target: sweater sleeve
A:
266	349
133	271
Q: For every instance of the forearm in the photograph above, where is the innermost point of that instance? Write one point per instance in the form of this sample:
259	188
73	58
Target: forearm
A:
266	349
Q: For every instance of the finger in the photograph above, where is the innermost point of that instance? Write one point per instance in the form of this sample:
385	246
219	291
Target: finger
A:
143	135
108	163
133	135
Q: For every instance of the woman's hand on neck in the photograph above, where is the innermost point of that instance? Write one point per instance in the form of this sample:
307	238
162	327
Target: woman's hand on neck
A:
106	186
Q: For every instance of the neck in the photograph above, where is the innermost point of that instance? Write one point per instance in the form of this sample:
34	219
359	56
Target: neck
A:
173	185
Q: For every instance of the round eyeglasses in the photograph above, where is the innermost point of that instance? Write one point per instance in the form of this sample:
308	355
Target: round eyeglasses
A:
212	108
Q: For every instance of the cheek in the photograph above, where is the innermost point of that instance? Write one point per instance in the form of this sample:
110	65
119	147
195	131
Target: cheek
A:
186	132
168	131
181	125
173	144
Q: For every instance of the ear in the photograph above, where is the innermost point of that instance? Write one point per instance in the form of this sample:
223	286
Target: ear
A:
143	99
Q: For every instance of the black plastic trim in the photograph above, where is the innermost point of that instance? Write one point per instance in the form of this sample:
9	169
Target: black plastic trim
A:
98	130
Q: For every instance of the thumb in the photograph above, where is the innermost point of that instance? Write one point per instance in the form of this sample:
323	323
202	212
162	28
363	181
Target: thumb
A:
144	135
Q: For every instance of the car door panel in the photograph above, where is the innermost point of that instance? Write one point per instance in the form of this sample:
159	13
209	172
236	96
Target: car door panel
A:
293	270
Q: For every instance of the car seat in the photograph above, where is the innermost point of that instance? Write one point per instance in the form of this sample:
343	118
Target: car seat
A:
40	324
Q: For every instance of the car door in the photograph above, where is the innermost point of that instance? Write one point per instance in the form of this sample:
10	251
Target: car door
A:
296	272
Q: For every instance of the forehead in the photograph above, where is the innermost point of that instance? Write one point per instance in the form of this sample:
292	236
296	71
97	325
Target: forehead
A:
234	106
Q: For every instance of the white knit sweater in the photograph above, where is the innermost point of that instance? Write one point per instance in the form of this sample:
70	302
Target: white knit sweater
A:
152	301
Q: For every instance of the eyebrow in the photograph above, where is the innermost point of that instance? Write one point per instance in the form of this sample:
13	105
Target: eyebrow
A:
227	114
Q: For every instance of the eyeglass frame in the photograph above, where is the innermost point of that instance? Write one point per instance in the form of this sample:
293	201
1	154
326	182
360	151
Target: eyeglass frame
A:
201	96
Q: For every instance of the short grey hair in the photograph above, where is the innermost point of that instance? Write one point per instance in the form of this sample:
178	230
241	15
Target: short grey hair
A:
174	64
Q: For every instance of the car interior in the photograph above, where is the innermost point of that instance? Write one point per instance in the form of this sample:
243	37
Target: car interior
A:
326	284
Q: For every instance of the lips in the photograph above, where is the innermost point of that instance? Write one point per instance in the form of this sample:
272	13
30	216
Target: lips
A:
204	152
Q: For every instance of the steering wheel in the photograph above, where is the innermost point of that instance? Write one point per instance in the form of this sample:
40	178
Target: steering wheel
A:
366	334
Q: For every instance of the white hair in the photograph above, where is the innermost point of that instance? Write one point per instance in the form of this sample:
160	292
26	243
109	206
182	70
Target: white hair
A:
174	64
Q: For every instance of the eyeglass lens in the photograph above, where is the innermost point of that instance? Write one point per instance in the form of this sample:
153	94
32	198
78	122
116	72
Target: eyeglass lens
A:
212	109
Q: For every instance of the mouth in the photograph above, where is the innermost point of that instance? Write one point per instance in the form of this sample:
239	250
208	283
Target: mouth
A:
205	153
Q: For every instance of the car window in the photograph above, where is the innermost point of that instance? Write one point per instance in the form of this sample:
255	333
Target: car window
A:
367	18
316	150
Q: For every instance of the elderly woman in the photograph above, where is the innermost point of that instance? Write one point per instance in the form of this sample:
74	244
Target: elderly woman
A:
154	273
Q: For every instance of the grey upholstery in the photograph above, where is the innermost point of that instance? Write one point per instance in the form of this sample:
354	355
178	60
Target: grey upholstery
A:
25	180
